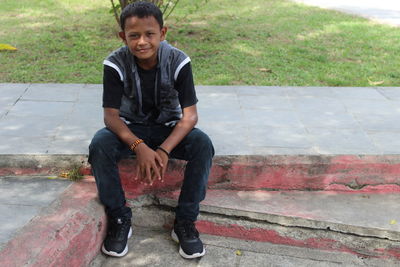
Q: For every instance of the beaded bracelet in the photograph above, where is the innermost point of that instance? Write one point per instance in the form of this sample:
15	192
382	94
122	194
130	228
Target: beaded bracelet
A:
135	144
163	150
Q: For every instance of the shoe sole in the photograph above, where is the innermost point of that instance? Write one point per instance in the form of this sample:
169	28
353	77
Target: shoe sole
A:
115	254
181	252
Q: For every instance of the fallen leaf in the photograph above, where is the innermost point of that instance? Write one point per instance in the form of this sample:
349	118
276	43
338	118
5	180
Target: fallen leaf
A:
238	253
64	174
392	222
375	83
7	47
265	70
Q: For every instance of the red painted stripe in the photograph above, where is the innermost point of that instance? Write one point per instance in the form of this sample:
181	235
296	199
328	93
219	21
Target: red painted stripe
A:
271	236
69	234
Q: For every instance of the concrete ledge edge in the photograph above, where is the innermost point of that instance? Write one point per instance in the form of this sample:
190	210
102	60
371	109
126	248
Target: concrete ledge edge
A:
67	233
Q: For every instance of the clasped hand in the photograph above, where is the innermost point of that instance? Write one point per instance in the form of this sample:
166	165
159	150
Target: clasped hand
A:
151	164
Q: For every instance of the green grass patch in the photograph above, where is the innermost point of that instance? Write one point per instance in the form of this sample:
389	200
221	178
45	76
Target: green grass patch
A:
231	42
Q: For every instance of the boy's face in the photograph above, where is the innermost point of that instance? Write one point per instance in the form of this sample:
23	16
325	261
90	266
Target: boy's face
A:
143	37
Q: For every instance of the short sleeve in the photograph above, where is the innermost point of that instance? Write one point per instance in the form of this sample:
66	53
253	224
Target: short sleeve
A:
113	88
185	86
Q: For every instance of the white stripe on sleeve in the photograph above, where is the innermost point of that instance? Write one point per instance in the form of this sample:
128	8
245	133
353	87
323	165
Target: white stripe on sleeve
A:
187	60
112	65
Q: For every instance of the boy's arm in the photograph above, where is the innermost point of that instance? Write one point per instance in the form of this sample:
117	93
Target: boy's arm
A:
187	98
149	161
181	129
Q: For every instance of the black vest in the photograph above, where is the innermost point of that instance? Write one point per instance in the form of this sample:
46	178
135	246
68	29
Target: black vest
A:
170	62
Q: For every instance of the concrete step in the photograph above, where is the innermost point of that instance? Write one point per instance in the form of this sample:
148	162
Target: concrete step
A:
363	224
154	247
351	173
66	232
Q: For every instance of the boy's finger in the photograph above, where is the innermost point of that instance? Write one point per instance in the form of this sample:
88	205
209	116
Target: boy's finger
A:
137	173
156	172
159	160
148	175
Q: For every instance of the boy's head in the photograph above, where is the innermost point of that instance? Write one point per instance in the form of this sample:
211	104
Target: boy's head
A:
141	9
142	31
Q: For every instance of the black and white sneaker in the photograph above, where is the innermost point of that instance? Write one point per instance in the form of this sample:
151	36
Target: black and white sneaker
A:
118	232
186	234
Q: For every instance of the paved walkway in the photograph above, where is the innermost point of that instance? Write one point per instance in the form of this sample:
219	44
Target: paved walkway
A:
241	120
155	248
23	198
383	11
50	119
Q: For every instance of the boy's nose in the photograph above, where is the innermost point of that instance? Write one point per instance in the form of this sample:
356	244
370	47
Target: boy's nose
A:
142	40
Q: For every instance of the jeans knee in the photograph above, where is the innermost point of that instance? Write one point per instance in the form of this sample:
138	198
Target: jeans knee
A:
204	144
101	145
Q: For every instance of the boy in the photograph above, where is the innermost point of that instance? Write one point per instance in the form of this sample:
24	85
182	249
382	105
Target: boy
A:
149	106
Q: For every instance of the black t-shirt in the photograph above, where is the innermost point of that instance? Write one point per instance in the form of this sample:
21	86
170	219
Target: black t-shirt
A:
113	89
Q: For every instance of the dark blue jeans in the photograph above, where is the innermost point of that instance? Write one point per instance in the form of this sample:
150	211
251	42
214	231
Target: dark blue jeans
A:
106	149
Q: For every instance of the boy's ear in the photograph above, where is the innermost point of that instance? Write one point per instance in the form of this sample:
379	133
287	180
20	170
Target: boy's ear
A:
122	36
163	33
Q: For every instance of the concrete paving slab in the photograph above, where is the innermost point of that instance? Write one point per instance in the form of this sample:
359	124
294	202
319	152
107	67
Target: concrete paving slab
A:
387	142
218	100
271	150
224	89
91	94
286	117
41	108
390	92
378	122
369	106
221	114
23	190
310	91
272	91
272	118
294	137
150	247
11	92
11	221
342	141
359	214
30	126
53	92
68	146
327	119
235	133
358	93
22	198
256	259
18	145
265	102
89	114
317	104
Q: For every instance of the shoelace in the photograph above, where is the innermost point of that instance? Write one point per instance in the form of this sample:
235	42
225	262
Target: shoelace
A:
188	229
119	228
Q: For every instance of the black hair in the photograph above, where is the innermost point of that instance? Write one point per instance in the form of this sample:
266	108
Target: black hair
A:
141	9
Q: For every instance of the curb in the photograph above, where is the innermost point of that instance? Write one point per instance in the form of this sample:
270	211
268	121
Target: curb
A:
348	173
159	216
344	173
68	233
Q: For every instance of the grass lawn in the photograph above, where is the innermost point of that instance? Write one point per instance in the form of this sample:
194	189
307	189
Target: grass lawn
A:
231	42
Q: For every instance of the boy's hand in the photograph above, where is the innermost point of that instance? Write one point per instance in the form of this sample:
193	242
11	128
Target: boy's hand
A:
149	164
165	159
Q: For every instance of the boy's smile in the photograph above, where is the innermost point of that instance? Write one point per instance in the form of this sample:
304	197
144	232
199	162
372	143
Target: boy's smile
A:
143	37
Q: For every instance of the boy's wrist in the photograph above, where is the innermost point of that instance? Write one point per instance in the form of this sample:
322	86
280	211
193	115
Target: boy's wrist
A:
163	150
135	144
